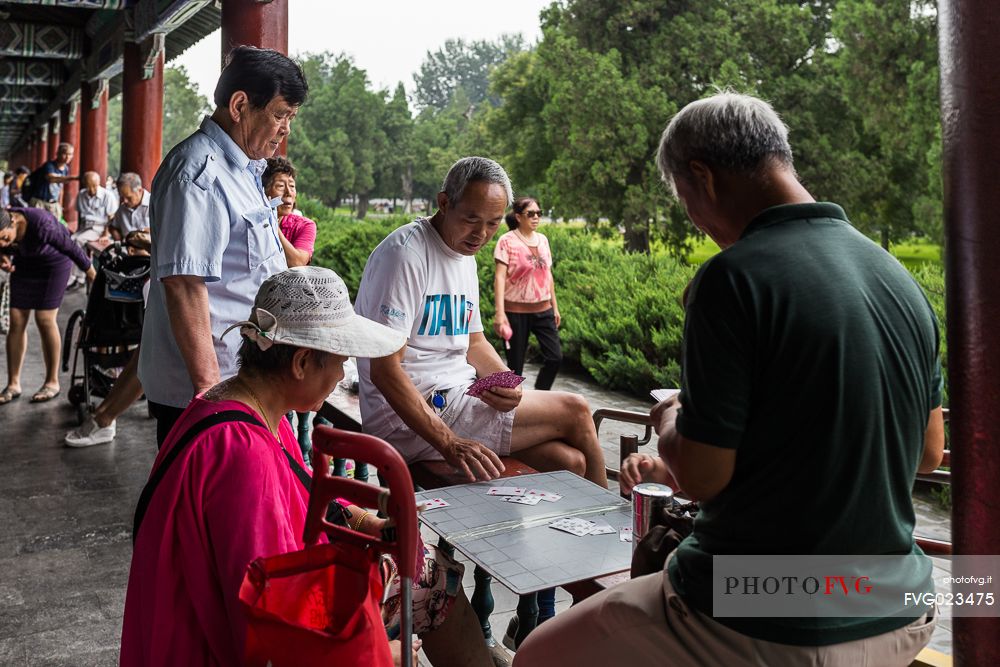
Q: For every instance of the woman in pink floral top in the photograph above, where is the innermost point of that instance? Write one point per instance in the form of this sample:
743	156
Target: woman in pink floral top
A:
525	294
297	233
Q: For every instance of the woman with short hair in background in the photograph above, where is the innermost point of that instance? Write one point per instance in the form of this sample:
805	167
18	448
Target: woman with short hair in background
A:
525	293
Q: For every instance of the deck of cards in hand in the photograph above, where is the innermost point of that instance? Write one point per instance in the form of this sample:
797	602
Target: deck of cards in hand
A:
507	379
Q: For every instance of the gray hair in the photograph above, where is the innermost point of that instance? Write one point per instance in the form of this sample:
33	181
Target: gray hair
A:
129	179
727	130
5	221
471	169
64	147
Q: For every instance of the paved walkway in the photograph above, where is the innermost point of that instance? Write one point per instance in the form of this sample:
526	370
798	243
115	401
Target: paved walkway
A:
67	524
66	517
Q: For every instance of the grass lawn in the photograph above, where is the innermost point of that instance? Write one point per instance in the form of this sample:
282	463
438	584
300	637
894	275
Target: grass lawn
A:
910	254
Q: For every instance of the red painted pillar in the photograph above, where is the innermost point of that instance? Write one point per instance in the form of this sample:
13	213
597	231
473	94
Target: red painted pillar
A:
94	128
42	147
142	108
69	132
971	160
256	23
53	140
261	23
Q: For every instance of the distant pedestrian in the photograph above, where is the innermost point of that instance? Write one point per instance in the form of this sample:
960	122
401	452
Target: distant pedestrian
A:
8	178
18	197
39	264
525	294
46	182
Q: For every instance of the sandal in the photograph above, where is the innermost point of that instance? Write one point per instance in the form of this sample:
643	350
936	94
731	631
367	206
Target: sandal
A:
8	395
44	394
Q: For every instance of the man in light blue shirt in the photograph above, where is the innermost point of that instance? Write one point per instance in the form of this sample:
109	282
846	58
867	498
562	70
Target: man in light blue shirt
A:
214	235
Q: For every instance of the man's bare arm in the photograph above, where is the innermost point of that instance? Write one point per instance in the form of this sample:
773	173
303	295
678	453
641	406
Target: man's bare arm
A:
468	456
701	470
187	308
933	442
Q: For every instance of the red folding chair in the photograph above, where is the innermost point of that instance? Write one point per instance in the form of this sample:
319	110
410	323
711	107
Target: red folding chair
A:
322	605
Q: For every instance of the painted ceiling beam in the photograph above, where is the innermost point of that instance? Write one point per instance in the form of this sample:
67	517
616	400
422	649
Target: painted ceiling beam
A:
76	4
39	40
20	72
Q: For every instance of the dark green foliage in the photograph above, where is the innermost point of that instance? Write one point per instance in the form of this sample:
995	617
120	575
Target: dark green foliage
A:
622	318
622	315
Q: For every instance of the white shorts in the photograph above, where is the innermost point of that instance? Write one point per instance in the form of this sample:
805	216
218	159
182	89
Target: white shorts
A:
467	417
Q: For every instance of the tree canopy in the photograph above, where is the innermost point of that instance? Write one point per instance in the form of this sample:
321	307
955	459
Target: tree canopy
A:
577	117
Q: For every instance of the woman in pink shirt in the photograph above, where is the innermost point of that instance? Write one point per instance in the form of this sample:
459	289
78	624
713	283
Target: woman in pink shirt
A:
235	492
297	233
524	293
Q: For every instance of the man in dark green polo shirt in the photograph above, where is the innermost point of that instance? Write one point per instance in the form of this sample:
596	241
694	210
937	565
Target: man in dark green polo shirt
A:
811	396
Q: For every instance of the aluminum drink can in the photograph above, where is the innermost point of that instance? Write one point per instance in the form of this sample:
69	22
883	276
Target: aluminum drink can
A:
648	499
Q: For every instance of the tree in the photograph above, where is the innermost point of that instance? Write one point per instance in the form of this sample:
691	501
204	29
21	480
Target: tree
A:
461	66
337	138
183	107
887	62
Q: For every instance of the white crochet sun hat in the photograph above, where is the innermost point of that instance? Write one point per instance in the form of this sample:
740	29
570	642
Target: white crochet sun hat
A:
308	306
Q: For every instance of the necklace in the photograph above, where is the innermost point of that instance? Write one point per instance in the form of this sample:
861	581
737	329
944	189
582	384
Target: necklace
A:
260	408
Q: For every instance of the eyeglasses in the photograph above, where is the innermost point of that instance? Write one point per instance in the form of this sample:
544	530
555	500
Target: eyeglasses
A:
533	214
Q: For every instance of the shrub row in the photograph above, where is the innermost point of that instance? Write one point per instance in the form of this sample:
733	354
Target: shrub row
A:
622	320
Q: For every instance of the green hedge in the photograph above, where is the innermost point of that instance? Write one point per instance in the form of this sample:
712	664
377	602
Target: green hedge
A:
622	319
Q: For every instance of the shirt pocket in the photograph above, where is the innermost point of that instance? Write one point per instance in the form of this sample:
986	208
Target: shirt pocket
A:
261	242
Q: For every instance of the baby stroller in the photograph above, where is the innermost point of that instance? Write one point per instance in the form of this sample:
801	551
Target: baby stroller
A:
110	327
319	606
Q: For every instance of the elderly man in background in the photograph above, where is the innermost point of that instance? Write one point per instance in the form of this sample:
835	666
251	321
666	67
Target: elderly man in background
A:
95	207
811	384
133	212
215	238
422	280
47	181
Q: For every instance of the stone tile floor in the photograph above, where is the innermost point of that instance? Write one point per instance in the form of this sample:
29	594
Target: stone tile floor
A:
66	517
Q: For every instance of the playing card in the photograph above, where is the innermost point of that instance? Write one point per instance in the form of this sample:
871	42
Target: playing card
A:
523	500
506	491
508	379
625	534
602	528
433	504
578	527
547	496
663	394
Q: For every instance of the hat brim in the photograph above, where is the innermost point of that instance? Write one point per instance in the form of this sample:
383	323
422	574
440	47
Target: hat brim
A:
355	337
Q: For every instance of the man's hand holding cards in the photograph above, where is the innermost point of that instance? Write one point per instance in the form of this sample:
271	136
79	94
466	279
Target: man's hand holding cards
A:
498	390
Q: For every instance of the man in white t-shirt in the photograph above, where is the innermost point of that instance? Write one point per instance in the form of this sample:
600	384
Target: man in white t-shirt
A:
422	280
